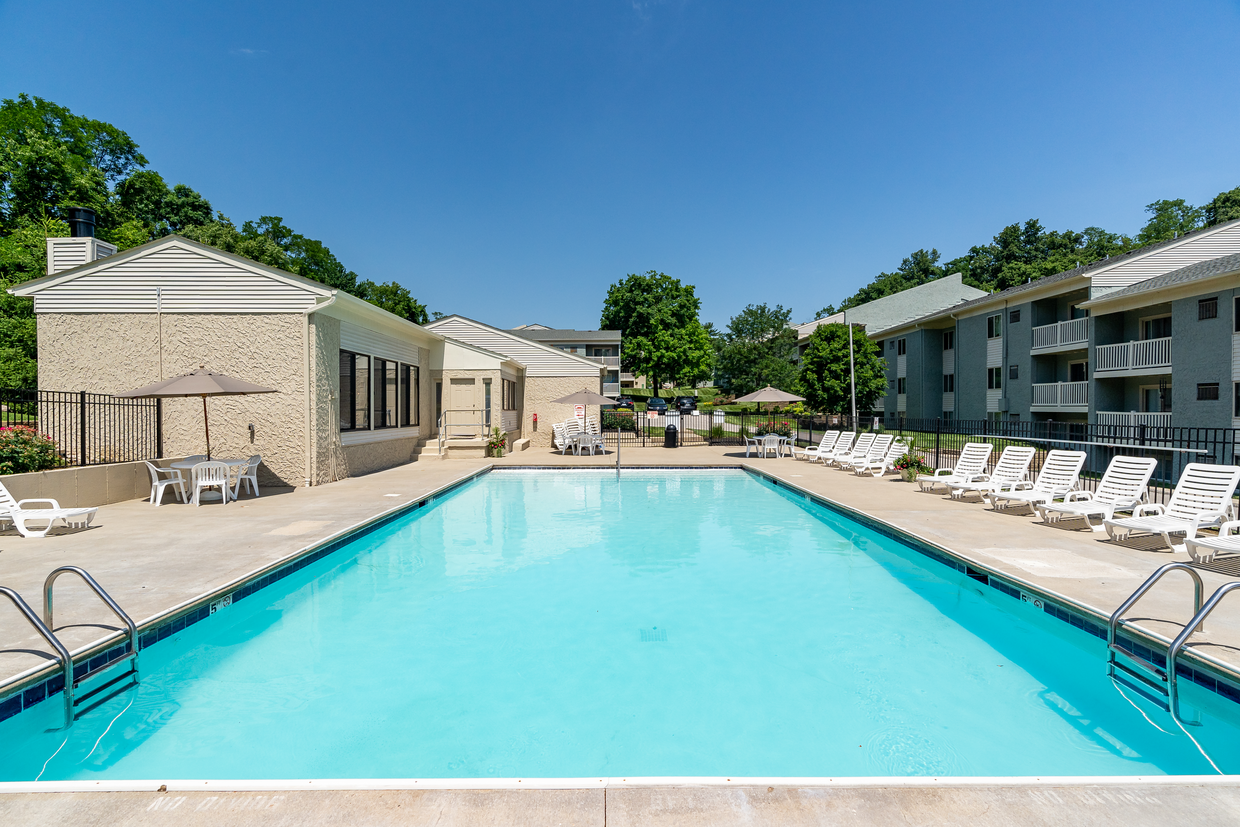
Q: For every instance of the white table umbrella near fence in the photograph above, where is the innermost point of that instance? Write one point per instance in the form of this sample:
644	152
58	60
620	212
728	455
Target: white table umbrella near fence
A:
201	382
770	395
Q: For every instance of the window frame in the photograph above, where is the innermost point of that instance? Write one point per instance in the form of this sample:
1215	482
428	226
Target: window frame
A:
348	397
901	347
1210	304
409	395
1013	372
901	385
994	379
949	340
1014	316
1207	387
994	326
1141	322
949	383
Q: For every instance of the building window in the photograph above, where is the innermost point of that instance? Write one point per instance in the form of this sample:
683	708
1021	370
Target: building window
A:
994	378
1013	371
1078	371
901	347
949	383
1078	312
410	396
891	385
1014	317
900	385
1159	328
387	404
891	345
1207	308
1235	409
947	415
1235	314
354	391
994	326
994	416
1207	391
509	391
949	340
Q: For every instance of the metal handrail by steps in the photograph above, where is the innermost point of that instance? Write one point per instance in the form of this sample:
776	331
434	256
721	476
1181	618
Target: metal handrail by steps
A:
444	424
1194	625
130	627
1145	677
62	654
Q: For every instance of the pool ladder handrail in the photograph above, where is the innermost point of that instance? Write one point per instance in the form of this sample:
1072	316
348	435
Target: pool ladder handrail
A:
62	654
1194	625
131	630
1151	676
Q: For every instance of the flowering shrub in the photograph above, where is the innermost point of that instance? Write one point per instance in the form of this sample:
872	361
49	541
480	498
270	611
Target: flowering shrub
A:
23	449
497	442
773	426
911	463
618	419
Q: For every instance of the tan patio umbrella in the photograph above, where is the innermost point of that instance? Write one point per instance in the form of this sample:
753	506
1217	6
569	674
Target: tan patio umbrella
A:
769	394
201	382
585	397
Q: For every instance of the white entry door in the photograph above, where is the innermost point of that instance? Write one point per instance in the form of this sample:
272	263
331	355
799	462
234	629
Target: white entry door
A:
463	405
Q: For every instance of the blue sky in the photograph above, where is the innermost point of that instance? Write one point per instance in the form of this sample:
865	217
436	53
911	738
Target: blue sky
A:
509	161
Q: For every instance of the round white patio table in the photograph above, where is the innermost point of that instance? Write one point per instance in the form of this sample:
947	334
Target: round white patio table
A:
185	465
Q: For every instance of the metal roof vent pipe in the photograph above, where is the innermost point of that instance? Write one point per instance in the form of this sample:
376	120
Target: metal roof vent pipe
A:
81	222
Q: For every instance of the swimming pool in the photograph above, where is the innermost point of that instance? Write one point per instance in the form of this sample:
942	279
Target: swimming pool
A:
566	624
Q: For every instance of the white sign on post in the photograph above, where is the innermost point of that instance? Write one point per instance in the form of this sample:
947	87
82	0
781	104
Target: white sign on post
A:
579	411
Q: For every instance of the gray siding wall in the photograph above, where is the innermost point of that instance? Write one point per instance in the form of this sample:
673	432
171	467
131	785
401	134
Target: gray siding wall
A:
971	367
925	368
889	354
1201	353
1017	339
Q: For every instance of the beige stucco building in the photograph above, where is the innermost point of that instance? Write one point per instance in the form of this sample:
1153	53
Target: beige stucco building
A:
359	389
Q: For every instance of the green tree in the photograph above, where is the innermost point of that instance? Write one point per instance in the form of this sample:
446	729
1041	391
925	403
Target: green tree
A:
1224	207
395	299
661	335
23	256
1169	219
758	349
824	370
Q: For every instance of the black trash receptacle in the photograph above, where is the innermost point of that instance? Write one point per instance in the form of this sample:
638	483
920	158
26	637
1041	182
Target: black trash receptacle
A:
669	436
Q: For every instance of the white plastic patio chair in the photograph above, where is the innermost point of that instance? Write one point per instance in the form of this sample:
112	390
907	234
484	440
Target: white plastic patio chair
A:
592	425
15	511
209	475
1201	498
769	442
559	437
843	447
158	484
970	465
1122	488
884	463
875	453
1206	549
812	453
1012	467
1059	475
248	473
858	452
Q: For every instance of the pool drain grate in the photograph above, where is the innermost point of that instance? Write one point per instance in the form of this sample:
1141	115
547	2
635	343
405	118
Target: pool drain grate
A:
655	635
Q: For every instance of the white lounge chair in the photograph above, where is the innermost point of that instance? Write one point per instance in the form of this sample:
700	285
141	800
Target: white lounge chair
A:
859	450
1206	549
843	447
1059	475
875	453
883	464
812	453
1122	488
15	511
176	482
1201	498
1012	467
970	465
559	437
209	475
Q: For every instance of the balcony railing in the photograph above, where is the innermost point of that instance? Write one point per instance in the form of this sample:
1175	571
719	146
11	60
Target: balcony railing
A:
1129	356
1061	395
609	361
1130	418
611	389
1061	334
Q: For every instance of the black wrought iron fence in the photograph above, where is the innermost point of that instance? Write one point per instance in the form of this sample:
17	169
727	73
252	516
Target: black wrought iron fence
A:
88	428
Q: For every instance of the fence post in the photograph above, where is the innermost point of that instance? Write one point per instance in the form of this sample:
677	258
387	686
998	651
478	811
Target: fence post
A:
159	427
938	430
81	427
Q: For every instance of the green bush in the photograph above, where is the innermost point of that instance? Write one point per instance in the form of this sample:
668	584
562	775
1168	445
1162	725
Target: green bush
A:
718	432
618	419
23	449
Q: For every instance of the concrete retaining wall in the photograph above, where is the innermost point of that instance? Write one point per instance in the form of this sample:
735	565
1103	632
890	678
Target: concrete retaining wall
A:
84	487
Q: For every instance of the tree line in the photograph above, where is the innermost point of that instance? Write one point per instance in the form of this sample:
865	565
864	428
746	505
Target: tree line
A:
52	159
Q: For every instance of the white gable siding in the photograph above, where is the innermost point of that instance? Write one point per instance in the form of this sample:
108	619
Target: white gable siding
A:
66	253
538	360
1213	245
360	340
189	283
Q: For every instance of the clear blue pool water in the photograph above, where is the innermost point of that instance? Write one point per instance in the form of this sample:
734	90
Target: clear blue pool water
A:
563	624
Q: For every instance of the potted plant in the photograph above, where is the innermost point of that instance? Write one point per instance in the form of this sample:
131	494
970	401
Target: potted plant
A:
910	465
497	442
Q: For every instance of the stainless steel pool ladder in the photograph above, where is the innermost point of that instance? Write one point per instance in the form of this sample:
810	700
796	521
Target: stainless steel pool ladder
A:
62	654
117	683
1156	683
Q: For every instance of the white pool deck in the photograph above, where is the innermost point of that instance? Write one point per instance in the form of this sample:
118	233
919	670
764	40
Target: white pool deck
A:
155	559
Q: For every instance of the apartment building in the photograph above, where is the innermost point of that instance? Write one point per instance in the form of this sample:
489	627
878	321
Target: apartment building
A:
602	346
1092	344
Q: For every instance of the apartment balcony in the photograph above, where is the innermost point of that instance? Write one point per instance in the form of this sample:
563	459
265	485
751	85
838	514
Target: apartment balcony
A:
1134	418
1147	356
609	361
1066	397
611	389
1061	336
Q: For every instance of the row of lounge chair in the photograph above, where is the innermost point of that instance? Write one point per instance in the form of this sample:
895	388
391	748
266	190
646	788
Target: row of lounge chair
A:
1202	497
871	453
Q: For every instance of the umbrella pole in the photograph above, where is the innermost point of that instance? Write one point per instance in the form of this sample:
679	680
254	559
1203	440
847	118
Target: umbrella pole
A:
206	424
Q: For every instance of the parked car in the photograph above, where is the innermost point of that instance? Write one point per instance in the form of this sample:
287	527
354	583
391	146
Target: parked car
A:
686	404
624	403
657	404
